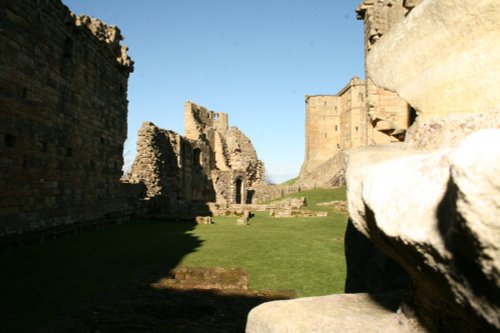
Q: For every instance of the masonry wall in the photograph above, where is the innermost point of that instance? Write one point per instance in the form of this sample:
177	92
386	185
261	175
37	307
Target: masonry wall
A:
63	120
323	130
353	115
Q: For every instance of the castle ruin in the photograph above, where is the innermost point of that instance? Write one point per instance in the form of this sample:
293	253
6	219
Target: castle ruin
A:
212	163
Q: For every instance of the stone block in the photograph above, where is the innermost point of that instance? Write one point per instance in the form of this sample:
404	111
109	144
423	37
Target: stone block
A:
203	219
331	314
436	213
418	57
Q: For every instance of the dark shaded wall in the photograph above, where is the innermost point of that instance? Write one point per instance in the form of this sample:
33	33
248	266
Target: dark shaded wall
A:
63	116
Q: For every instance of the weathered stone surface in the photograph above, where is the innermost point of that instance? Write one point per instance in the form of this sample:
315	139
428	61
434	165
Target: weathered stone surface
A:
290	203
203	219
241	155
331	314
448	131
339	205
63	118
242	221
220	278
266	192
289	212
436	214
419	57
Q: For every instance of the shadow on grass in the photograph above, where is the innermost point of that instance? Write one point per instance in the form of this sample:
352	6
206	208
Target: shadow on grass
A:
100	281
40	281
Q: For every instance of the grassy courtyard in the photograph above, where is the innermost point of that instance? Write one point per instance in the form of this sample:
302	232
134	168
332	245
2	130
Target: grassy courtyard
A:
301	254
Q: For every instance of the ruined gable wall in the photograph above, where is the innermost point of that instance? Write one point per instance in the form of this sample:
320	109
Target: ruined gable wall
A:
174	169
63	91
242	157
230	148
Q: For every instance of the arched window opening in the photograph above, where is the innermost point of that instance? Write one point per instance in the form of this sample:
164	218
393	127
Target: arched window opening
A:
239	188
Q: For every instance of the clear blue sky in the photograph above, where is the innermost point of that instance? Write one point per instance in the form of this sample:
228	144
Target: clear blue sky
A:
252	59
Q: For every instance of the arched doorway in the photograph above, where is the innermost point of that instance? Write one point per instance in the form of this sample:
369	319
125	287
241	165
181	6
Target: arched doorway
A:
239	188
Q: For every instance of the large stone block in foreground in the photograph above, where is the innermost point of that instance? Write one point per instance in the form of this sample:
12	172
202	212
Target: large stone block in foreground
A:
436	214
443	58
334	313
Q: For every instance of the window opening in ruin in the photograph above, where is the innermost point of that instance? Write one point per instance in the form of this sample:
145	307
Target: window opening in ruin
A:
250	194
10	140
25	92
336	128
68	48
216	116
69	152
43	146
239	188
197	161
102	141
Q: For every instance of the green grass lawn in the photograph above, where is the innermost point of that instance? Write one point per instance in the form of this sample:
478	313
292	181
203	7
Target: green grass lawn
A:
302	254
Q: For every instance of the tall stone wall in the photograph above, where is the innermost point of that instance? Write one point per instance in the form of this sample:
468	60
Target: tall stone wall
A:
63	91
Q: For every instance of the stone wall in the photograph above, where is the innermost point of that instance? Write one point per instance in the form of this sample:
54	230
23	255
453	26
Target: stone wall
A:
63	91
176	170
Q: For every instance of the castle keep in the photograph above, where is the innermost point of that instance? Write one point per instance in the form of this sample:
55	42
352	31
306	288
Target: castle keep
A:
63	119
